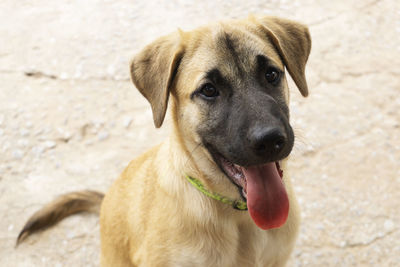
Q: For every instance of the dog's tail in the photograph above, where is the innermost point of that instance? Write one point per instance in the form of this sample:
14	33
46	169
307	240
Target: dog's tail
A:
58	209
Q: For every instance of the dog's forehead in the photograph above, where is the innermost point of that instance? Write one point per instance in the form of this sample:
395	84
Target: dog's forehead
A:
232	49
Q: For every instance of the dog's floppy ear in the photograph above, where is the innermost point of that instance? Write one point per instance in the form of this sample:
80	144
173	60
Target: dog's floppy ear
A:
293	43
153	71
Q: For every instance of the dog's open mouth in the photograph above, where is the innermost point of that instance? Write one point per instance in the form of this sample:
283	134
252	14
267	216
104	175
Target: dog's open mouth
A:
235	173
263	188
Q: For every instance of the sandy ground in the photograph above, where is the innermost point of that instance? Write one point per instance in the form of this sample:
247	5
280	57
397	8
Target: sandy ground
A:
70	119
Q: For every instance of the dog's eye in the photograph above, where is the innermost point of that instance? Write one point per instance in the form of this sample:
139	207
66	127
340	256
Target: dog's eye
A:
209	91
272	75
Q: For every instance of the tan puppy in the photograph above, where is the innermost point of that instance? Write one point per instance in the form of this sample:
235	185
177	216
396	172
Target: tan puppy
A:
216	192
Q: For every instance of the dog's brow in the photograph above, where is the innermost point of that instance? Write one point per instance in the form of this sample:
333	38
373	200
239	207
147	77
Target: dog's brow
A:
216	77
264	61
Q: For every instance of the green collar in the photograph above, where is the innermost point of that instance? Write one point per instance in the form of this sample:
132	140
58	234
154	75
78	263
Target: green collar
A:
236	204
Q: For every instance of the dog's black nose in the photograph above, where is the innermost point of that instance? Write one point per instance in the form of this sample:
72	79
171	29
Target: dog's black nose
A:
268	142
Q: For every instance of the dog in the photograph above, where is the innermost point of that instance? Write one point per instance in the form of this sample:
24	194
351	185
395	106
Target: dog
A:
217	191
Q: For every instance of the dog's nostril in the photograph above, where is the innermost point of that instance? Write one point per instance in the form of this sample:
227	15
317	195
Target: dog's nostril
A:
261	147
279	144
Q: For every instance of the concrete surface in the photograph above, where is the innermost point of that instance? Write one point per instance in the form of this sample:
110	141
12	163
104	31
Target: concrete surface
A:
70	119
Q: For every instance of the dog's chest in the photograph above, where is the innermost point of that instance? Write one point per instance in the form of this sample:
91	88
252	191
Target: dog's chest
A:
240	248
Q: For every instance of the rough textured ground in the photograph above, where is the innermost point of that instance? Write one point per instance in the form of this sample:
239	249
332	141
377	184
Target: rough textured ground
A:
70	119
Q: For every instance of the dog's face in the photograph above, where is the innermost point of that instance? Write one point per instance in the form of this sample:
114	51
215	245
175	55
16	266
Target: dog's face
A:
240	97
230	99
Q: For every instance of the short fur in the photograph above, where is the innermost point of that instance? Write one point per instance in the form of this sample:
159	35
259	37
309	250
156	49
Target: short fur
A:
152	216
58	209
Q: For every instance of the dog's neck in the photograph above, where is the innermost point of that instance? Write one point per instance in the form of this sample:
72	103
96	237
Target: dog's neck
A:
234	203
188	158
188	197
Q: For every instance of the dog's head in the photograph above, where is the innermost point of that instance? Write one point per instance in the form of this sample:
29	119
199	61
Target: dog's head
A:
230	97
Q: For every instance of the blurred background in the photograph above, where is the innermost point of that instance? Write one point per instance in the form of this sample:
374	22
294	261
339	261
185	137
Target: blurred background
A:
70	119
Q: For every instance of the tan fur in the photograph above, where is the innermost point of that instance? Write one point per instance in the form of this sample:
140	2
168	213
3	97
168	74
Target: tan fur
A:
152	216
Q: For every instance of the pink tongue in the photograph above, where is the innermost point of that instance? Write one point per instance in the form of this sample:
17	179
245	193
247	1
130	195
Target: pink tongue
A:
267	200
